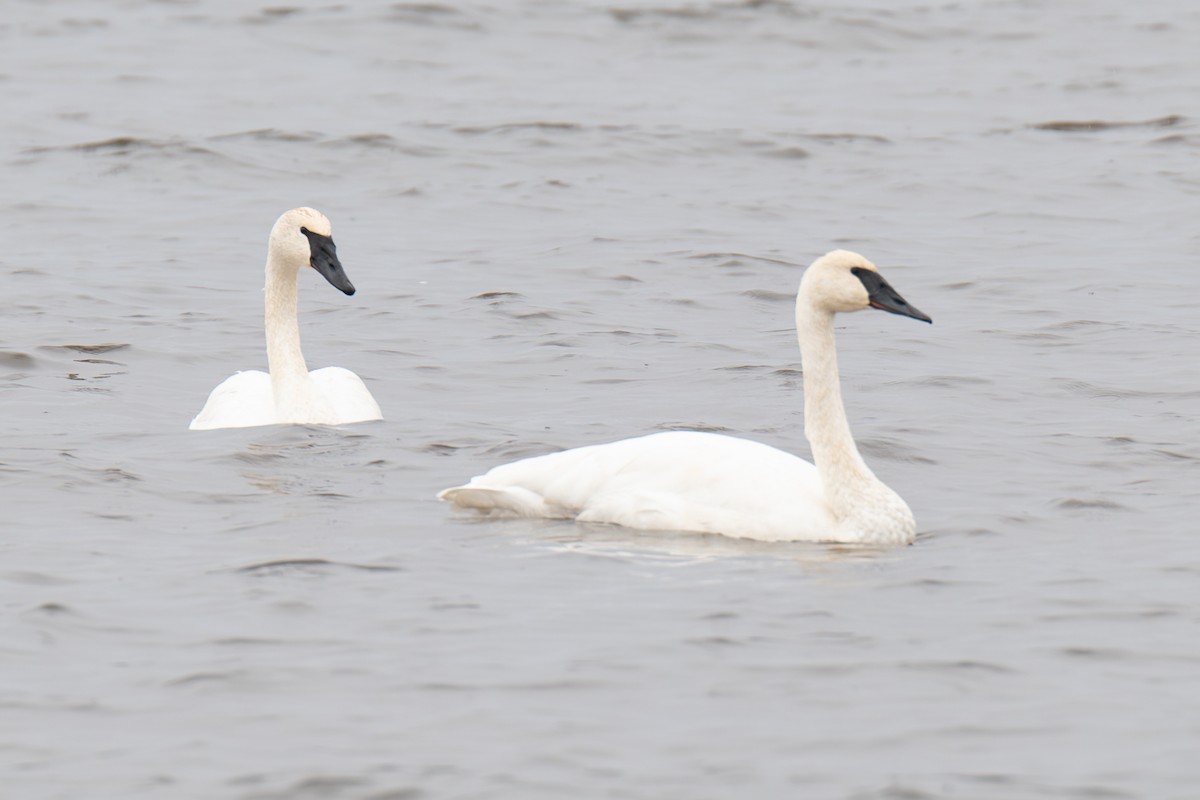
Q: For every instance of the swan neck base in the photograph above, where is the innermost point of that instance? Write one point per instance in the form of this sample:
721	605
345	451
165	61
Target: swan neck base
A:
284	357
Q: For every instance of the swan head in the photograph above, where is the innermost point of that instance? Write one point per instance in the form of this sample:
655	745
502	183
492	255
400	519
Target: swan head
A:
304	237
842	281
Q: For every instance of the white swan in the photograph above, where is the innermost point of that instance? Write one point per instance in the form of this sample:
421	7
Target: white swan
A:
693	481
289	393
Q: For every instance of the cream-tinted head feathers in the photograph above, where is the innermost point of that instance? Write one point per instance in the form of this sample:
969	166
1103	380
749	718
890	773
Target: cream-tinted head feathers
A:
829	283
842	281
305	217
289	245
302	237
845	259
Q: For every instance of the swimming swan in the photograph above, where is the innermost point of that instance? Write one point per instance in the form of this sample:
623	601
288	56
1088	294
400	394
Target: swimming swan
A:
289	393
694	481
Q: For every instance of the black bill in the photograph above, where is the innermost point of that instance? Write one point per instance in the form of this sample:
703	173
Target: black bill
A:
325	261
884	297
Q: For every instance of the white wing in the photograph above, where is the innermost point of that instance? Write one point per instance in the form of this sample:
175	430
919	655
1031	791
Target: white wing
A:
679	480
348	396
242	400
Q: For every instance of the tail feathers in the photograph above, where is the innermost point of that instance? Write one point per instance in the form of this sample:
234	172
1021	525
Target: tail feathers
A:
511	499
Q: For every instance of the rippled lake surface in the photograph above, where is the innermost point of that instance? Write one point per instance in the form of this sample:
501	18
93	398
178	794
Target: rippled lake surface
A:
571	223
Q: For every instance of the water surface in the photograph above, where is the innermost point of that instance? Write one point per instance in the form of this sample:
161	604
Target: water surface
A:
571	223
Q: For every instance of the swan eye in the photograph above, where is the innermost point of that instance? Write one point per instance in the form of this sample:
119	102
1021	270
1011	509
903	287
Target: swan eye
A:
305	230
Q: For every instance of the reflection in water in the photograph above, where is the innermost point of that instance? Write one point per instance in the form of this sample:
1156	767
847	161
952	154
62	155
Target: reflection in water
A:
302	459
676	548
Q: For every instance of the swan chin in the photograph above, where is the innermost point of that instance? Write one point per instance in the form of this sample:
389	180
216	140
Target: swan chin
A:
710	483
289	393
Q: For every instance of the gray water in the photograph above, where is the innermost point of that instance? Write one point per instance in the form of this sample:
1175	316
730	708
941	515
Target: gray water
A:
571	223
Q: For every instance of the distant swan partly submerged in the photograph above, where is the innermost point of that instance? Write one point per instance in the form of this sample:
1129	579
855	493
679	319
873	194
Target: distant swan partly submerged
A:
706	482
289	393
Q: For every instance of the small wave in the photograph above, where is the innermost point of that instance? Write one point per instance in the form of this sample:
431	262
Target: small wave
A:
444	448
928	583
259	456
112	474
1075	126
1100	392
13	359
430	15
271	13
1039	335
520	449
705	12
384	141
957	666
743	368
848	137
786	152
1178	138
1077	324
728	256
564	684
424	9
507	127
125	145
268	135
1102	653
373	139
1074	503
91	349
31	578
100	361
887	449
1177	456
947	381
206	678
426	14
53	609
715	641
285	565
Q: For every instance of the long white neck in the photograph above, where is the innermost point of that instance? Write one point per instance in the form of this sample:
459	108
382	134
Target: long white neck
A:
844	474
284	359
863	505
